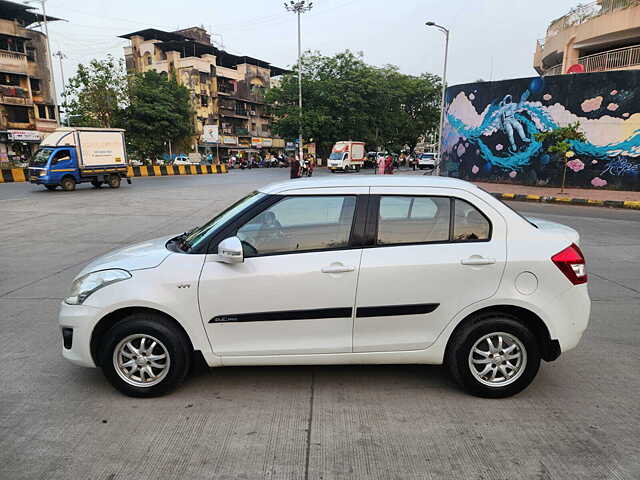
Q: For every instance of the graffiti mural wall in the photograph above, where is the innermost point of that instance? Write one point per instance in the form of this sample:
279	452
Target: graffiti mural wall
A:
490	130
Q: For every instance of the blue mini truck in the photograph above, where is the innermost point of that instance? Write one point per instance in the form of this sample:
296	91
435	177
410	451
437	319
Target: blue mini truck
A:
69	156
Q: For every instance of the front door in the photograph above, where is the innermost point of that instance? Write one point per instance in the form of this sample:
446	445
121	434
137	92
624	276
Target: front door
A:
295	291
435	254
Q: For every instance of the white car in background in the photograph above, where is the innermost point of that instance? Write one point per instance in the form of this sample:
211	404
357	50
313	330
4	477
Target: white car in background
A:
427	161
424	270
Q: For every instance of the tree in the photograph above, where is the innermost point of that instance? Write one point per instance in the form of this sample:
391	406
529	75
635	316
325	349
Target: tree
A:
558	142
344	98
158	111
96	95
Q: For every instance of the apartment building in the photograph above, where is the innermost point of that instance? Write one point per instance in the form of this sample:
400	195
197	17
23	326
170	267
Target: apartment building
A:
27	107
227	91
594	37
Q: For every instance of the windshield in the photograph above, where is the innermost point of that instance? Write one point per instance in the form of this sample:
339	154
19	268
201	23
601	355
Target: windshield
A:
41	157
336	156
199	234
427	156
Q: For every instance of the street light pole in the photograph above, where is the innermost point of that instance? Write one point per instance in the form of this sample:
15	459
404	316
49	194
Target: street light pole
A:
299	8
444	89
49	58
62	56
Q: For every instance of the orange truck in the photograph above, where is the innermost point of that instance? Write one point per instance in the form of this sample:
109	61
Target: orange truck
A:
347	155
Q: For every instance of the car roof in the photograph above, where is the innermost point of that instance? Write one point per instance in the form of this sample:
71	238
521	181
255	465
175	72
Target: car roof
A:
368	181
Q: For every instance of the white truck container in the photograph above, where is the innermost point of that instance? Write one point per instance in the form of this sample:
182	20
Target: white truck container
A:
347	155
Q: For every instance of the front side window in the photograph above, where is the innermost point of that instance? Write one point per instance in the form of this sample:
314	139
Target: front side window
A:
61	156
413	220
298	224
469	224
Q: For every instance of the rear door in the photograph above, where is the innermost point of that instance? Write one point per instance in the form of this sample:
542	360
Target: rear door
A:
436	251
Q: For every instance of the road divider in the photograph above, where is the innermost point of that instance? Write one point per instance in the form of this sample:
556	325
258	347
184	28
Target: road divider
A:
635	205
9	175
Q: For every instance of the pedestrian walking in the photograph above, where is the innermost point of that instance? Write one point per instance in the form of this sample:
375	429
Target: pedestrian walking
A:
295	167
388	165
381	163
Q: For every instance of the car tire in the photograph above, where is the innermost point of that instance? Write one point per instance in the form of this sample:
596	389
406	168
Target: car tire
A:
96	183
493	345
166	353
114	181
51	188
68	184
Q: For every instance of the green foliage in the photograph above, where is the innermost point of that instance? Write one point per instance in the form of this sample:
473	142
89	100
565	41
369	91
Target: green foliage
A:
158	111
346	99
558	139
96	94
151	108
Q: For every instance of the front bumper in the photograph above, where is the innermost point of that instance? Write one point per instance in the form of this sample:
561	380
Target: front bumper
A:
82	320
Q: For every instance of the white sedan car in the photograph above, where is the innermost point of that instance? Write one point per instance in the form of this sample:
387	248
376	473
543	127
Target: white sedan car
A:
359	270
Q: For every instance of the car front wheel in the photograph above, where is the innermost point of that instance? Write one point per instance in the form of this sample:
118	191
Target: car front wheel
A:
494	356
145	355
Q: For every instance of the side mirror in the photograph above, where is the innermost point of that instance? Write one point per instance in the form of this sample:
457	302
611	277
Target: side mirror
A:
230	251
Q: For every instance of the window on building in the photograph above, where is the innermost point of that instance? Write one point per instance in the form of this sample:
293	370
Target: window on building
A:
204	77
17	114
42	111
9	79
31	54
204	100
51	112
11	44
35	84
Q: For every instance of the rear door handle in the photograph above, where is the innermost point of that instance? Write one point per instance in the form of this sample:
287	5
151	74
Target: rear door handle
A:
338	269
475	260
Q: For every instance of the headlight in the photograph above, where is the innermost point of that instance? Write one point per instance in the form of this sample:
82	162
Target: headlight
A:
43	173
87	284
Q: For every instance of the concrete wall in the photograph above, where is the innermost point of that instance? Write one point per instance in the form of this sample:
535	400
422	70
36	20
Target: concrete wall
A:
490	128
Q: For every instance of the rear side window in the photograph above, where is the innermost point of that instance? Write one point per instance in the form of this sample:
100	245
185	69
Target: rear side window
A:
422	219
413	220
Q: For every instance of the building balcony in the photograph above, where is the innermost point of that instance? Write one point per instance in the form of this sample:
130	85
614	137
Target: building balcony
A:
588	29
618	59
13	62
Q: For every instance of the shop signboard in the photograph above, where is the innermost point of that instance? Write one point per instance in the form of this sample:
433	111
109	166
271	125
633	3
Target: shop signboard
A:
267	142
24	135
256	142
227	140
210	134
290	146
244	142
278	143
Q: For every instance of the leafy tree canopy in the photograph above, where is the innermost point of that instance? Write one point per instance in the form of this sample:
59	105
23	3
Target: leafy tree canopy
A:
345	98
152	107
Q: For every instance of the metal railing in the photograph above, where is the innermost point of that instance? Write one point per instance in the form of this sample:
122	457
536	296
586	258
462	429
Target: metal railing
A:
611	60
555	70
583	13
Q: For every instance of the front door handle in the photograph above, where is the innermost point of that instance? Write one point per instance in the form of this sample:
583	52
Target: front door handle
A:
338	268
475	260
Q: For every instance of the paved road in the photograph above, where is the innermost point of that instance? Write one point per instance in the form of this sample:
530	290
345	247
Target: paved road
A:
579	420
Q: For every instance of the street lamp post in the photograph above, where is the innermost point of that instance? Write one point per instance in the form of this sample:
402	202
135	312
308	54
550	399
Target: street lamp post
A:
444	89
62	56
299	8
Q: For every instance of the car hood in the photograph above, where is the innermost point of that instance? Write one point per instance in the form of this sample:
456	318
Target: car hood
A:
556	228
139	256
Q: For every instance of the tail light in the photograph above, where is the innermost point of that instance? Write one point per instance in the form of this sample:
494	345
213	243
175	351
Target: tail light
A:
571	262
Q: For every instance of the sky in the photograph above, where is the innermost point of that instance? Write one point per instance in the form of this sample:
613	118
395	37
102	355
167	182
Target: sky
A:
490	39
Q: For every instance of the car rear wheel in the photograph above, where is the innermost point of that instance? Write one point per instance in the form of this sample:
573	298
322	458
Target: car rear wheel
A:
145	355
493	356
68	184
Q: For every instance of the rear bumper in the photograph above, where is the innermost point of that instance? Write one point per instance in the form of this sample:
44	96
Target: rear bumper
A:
571	311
